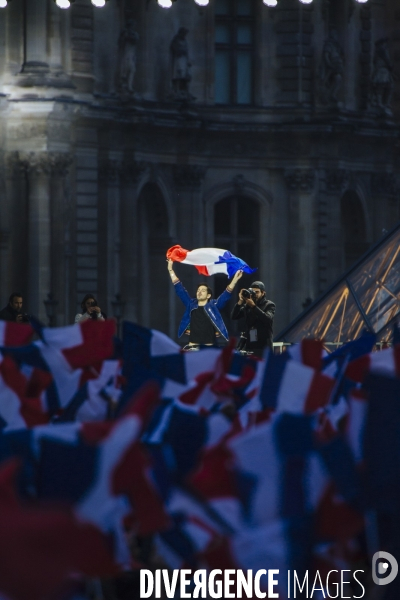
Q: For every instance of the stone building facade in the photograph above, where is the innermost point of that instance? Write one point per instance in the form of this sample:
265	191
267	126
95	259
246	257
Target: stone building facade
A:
273	132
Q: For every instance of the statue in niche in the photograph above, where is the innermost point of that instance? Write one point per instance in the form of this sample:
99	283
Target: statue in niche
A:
331	70
181	76
382	78
127	43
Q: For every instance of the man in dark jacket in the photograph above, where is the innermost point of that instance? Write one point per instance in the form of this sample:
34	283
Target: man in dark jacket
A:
13	310
258	314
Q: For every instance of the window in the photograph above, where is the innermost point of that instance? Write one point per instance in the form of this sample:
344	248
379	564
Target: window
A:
234	51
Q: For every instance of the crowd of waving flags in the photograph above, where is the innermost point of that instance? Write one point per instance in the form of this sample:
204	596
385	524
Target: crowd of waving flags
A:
221	460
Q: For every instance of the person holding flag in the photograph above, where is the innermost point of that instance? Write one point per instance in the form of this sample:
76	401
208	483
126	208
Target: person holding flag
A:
202	316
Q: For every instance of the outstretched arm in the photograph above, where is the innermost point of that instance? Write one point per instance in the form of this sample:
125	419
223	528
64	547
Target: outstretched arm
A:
234	281
174	278
179	289
226	295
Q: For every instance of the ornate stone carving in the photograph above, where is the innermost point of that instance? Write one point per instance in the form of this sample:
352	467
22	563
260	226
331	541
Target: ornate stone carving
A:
300	179
60	163
24	131
330	73
37	163
15	166
127	44
336	180
34	163
190	176
239	182
181	76
382	78
384	183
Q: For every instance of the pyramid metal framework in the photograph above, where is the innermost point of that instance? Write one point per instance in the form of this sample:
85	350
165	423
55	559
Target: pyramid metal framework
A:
366	297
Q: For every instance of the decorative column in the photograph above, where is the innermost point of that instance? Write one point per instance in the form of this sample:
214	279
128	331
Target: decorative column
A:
330	238
55	38
110	207
365	58
301	242
15	206
4	266
38	167
35	26
61	216
4	241
57	61
131	173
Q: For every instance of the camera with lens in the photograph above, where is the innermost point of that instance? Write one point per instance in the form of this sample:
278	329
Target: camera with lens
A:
94	314
249	294
25	317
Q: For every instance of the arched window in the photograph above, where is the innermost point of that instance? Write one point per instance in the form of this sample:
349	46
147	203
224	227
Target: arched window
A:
153	296
353	228
237	229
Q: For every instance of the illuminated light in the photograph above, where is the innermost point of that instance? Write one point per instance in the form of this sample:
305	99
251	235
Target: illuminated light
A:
306	1
63	3
3	3
361	1
99	3
202	2
271	2
165	3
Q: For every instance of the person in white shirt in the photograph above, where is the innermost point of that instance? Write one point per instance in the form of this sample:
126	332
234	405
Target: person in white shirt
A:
90	310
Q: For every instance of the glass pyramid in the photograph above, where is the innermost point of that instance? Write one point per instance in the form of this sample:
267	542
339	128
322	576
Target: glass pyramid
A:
366	297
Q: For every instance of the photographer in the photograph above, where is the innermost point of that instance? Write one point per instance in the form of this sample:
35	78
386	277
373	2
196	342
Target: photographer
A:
258	313
90	310
13	310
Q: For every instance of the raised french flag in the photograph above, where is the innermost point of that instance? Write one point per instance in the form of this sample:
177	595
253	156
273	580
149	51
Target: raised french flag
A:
209	261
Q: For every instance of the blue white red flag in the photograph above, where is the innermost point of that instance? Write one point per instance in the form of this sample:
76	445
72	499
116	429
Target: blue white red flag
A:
386	362
285	385
18	409
111	482
49	541
83	344
209	261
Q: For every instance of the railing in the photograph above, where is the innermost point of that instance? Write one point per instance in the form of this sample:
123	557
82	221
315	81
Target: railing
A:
280	347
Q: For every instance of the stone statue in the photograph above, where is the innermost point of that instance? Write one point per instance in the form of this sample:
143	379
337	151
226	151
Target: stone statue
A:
127	43
331	70
382	77
180	65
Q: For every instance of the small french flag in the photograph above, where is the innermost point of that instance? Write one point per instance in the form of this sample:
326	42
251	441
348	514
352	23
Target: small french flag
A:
289	386
386	362
209	261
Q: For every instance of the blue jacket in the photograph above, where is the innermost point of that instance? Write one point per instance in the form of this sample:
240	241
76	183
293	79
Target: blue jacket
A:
211	308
